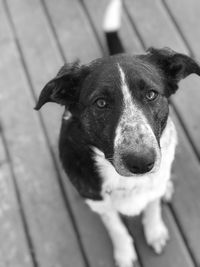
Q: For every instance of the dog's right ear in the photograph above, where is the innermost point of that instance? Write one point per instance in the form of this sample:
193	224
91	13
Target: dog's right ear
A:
64	89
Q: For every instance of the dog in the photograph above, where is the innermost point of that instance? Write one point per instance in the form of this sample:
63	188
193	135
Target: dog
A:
117	141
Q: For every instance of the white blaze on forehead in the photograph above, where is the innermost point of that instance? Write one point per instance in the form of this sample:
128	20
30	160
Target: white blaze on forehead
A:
132	116
131	110
125	90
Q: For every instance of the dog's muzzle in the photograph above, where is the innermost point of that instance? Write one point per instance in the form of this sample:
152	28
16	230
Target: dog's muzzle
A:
136	151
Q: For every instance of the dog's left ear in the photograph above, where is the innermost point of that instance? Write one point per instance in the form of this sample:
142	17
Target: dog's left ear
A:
175	66
64	89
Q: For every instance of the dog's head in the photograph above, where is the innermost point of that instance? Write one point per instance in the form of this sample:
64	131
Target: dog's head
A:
121	103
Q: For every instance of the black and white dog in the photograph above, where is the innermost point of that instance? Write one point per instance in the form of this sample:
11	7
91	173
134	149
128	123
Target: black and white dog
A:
117	141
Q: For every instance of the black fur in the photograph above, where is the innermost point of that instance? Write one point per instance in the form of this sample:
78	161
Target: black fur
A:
70	76
76	157
114	44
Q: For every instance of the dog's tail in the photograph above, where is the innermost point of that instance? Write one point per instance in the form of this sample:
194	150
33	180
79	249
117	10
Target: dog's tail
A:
111	26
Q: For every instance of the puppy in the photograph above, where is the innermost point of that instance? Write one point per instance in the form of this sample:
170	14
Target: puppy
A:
117	141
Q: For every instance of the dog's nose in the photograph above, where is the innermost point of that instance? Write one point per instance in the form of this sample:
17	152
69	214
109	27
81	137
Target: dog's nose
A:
139	162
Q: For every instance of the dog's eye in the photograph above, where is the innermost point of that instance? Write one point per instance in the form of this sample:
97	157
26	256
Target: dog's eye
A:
151	95
101	103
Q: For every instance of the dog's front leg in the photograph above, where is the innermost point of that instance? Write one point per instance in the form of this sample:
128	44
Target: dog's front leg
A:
124	251
155	231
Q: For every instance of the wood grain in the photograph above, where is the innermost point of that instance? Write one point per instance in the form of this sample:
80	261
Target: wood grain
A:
51	230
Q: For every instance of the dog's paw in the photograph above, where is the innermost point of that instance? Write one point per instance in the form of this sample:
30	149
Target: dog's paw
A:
169	192
126	256
157	237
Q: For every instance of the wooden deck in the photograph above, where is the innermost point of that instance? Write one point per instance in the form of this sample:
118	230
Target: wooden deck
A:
43	221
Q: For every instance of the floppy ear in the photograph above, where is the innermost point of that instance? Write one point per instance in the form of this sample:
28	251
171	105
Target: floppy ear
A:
175	66
64	89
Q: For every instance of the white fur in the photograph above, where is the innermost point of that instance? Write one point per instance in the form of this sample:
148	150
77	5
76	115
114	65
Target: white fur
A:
132	195
133	117
67	115
112	19
155	231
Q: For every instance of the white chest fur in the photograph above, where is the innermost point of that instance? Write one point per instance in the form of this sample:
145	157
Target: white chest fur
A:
130	195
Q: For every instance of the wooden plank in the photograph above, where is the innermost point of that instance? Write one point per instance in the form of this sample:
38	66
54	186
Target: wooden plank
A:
40	51
49	224
186	198
41	69
73	30
56	246
96	10
14	250
187	104
154	24
2	151
5	31
186	14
